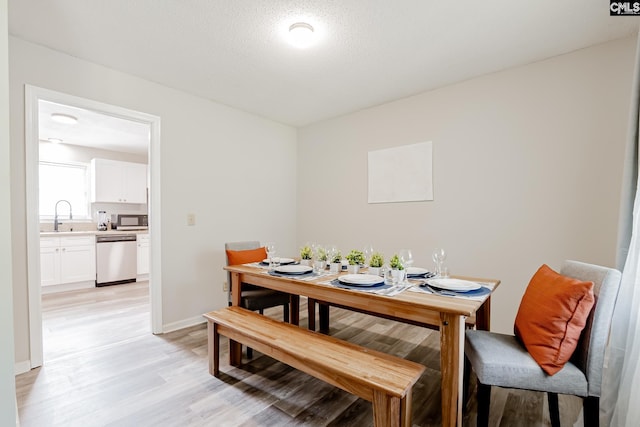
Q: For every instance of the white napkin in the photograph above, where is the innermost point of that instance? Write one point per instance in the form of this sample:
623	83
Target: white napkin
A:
453	295
386	291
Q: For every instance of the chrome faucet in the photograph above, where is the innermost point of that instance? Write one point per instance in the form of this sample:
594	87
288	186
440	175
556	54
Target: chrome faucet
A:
55	218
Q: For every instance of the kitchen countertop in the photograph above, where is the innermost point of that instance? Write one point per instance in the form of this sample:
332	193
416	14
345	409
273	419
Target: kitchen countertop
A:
89	233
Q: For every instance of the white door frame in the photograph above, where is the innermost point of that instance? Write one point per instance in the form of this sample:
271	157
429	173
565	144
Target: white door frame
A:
32	95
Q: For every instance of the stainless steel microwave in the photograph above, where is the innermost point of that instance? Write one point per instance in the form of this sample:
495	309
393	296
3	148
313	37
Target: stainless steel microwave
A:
129	222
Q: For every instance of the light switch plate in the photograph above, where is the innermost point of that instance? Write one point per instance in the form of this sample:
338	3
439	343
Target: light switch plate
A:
191	219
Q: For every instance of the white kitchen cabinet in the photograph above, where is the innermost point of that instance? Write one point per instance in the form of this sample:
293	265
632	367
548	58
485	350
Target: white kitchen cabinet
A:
113	181
143	254
68	259
50	261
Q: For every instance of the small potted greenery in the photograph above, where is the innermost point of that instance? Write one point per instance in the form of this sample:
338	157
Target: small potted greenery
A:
336	262
396	269
320	262
375	264
355	259
305	255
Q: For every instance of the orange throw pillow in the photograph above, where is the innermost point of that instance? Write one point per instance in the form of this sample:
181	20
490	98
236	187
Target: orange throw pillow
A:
247	256
551	317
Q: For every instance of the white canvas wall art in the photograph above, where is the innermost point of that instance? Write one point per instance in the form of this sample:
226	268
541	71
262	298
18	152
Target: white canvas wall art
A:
401	174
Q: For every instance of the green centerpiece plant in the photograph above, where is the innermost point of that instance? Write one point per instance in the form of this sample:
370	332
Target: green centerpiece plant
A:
336	262
305	255
320	262
395	263
397	269
375	263
321	254
355	259
377	260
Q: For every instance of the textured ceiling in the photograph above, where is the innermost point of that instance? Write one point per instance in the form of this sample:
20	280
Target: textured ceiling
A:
95	130
370	51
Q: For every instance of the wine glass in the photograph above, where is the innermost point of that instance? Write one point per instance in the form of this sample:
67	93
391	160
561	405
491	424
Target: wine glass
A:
270	247
406	257
314	249
319	258
367	251
439	257
331	252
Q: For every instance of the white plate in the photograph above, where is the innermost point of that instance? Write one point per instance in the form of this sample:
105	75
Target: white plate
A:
361	279
294	269
283	261
454	284
415	271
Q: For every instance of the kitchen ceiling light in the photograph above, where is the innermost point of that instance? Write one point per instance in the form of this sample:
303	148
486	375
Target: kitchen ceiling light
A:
301	35
64	118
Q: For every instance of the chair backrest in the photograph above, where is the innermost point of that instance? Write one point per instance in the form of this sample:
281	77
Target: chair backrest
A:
589	355
237	246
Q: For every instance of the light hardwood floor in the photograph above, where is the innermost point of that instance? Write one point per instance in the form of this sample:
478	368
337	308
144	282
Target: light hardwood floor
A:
104	368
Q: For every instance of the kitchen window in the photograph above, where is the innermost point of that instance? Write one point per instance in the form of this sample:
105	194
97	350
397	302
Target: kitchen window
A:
64	181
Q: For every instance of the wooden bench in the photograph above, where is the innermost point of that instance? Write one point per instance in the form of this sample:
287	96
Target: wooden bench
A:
384	380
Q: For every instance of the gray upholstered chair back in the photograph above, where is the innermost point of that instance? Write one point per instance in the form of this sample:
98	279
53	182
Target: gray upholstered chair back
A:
237	246
589	355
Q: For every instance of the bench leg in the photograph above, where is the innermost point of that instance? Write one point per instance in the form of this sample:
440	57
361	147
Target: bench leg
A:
311	313
388	411
213	344
235	353
405	410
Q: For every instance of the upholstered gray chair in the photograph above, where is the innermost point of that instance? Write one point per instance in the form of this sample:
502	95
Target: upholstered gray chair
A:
258	299
500	360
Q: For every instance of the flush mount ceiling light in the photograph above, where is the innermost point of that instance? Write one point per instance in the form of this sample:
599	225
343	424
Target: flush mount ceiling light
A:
301	35
64	118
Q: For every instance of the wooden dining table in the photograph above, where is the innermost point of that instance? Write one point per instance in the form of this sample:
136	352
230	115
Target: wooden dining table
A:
447	314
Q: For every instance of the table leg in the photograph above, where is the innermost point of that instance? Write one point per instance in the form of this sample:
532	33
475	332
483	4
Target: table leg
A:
294	311
451	366
235	348
311	313
323	314
483	316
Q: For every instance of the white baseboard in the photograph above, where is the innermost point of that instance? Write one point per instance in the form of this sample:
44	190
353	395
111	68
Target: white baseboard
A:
193	321
22	367
50	289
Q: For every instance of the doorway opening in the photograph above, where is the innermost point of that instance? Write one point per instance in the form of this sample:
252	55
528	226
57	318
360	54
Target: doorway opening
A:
39	133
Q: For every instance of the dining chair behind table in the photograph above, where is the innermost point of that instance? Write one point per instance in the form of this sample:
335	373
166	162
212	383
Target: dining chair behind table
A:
501	360
253	297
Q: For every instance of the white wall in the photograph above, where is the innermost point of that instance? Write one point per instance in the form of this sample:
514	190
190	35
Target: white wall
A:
217	162
526	168
7	380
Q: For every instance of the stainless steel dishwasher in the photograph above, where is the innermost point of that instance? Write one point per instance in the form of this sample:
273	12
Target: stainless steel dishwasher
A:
116	261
